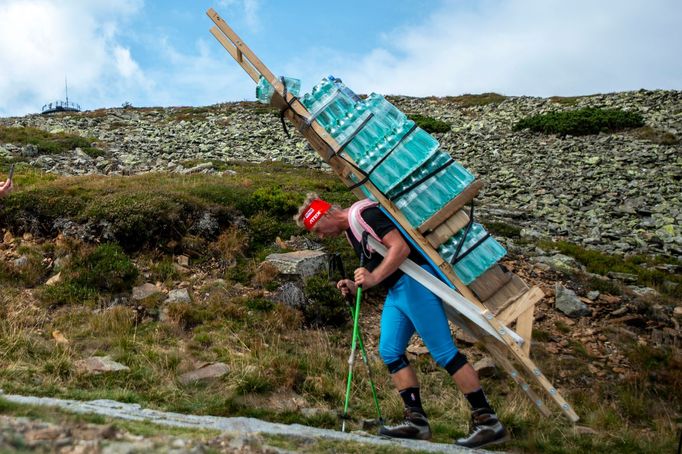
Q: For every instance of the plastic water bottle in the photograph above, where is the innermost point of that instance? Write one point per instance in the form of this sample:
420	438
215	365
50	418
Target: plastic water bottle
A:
410	153
477	261
265	90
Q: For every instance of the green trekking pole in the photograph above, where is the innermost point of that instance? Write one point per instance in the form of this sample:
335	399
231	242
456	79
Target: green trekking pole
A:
351	358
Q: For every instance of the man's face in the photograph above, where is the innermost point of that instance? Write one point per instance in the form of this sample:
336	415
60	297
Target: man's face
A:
326	227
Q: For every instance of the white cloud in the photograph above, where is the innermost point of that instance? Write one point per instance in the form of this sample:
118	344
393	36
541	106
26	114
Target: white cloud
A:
523	47
42	41
251	9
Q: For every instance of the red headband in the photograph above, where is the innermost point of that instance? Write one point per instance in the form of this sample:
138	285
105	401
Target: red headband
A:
314	212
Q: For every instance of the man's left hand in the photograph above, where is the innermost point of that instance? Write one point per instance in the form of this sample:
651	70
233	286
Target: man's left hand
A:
365	278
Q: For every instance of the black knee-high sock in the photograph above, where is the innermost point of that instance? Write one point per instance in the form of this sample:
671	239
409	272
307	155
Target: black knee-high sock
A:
477	400
412	399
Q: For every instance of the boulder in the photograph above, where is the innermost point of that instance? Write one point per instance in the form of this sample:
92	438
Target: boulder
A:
180	295
302	263
205	372
96	365
144	291
292	295
569	303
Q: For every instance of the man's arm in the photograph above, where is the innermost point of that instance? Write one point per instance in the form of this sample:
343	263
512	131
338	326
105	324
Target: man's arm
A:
397	252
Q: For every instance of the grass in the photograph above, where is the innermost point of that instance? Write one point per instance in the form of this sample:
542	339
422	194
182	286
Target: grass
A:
279	358
643	267
482	99
656	136
589	120
429	124
46	142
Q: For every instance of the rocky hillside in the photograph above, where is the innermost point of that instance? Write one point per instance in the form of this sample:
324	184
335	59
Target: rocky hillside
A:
618	192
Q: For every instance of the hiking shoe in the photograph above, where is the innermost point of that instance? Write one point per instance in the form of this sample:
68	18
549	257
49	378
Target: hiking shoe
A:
485	430
415	426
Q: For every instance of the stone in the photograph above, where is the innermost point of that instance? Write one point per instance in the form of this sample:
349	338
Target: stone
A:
559	262
593	295
180	295
21	261
144	291
57	278
485	367
7	237
677	312
625	277
292	295
96	365
568	302
303	263
206	372
643	291
182	260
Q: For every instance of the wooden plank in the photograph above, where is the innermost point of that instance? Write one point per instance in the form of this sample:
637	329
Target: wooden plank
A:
506	294
236	53
521	305
447	229
485	285
524	327
452	207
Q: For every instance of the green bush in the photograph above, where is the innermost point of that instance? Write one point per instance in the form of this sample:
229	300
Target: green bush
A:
590	120
272	200
104	269
326	306
429	124
46	142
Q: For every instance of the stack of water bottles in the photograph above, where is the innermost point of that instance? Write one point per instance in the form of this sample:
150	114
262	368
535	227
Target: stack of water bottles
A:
405	163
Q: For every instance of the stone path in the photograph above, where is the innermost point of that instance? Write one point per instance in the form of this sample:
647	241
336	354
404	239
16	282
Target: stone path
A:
239	425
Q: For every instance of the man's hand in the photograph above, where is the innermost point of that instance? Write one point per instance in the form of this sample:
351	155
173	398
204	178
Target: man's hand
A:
6	187
347	287
365	278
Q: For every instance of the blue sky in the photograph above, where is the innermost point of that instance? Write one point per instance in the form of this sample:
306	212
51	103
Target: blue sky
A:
151	52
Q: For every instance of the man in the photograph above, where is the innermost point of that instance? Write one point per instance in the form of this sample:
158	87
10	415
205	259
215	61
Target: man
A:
409	307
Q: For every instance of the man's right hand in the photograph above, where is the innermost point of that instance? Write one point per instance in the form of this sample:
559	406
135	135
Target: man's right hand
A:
347	287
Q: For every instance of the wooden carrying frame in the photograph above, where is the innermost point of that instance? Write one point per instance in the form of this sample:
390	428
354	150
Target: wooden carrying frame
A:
502	297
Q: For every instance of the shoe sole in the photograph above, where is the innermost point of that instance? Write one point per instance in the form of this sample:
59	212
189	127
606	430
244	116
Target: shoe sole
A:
388	437
504	439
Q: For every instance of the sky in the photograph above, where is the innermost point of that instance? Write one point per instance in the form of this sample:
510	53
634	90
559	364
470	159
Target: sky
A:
160	53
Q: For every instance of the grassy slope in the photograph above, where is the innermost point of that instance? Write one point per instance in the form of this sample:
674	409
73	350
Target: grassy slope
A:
273	357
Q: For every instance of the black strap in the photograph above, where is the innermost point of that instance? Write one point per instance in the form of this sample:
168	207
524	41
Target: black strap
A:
285	108
366	254
455	256
355	133
468	251
423	179
335	264
383	158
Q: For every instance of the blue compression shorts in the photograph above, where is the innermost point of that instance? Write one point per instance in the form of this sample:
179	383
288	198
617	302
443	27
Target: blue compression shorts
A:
410	306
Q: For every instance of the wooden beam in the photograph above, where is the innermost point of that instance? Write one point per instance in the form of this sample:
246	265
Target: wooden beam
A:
524	327
521	305
456	204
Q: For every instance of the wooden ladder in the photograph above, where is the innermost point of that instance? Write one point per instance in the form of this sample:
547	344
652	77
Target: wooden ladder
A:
507	299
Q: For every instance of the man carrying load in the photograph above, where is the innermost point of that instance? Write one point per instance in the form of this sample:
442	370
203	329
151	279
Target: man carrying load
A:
409	307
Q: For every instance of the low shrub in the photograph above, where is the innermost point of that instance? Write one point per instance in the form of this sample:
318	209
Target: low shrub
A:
46	142
429	124
326	306
90	272
590	120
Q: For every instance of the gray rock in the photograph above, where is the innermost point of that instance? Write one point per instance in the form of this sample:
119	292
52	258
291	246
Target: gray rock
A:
292	295
179	295
21	262
559	262
302	263
625	277
569	303
144	291
206	372
98	364
593	295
